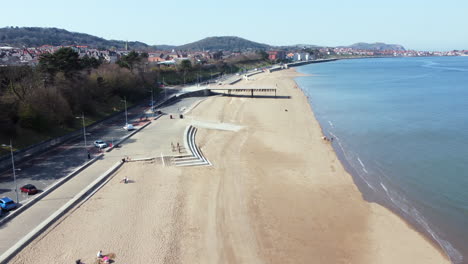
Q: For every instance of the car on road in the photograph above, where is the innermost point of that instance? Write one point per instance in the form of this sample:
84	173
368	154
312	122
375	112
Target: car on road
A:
100	144
7	204
29	189
129	127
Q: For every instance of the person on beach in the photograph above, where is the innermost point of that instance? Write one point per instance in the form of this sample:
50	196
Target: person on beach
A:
99	254
124	180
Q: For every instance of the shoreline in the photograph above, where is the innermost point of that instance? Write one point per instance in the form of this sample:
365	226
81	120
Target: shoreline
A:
276	193
372	198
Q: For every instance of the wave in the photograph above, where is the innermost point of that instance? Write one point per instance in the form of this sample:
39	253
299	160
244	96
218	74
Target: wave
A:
362	165
435	65
375	175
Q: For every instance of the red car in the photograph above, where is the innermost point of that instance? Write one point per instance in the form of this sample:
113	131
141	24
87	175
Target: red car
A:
29	189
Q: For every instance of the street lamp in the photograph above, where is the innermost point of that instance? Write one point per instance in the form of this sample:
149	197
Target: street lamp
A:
165	94
84	129
152	102
14	170
126	118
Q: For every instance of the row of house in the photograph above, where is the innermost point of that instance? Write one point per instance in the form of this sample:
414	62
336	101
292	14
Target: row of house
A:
292	56
30	56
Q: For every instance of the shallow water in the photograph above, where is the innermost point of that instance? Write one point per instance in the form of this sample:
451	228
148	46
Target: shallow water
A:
401	128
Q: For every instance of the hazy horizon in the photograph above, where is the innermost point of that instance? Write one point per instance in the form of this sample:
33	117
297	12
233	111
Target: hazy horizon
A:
419	25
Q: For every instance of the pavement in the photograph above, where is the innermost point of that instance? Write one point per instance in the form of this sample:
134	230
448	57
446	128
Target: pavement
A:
152	141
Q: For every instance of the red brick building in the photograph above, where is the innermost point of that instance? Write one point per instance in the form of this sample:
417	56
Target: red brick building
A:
276	55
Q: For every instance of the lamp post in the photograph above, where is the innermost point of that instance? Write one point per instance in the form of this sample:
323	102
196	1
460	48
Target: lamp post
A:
165	94
152	102
126	118
84	129
14	170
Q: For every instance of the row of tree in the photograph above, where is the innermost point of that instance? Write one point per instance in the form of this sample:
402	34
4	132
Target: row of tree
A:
47	98
63	86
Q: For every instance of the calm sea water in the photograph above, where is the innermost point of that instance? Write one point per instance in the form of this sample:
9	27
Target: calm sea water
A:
401	128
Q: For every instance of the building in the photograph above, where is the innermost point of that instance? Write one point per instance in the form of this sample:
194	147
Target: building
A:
276	55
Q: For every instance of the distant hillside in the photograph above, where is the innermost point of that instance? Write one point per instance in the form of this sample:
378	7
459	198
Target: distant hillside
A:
37	36
224	43
164	47
375	46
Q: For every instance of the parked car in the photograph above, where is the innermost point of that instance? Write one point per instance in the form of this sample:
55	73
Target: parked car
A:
7	204
29	189
129	127
100	144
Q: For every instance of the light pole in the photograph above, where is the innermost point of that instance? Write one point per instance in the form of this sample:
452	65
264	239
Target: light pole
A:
84	129
152	102
14	170
165	94
126	118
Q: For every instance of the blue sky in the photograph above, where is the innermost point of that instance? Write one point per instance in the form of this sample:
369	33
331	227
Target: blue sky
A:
416	24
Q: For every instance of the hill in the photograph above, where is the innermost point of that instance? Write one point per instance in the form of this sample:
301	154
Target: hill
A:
38	36
375	46
224	43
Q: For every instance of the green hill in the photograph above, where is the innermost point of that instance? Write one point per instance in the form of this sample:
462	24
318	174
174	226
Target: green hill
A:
224	43
38	36
376	46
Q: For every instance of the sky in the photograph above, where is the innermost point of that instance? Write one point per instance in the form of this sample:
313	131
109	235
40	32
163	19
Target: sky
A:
415	24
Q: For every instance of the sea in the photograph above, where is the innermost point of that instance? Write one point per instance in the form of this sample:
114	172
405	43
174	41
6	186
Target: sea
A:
400	127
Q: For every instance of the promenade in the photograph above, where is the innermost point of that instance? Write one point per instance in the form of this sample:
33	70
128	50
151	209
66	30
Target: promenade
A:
152	141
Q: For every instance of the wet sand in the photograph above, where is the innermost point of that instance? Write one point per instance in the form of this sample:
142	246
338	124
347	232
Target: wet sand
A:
276	193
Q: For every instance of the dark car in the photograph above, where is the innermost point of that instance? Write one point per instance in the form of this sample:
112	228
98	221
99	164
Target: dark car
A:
29	189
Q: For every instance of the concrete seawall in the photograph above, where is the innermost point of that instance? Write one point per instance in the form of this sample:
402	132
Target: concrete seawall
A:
300	63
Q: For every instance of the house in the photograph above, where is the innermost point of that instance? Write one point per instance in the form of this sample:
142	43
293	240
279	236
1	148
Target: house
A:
155	59
276	55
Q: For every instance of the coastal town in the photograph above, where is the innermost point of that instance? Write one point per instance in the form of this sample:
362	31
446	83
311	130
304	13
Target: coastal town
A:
30	55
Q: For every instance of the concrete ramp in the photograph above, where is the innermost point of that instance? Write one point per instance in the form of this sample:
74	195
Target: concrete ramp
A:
216	125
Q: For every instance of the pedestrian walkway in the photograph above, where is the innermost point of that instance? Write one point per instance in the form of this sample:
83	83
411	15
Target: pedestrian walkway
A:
153	141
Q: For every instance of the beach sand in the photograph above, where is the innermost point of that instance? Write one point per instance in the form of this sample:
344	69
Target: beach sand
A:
276	193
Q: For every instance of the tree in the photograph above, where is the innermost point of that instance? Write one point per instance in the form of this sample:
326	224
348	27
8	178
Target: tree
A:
64	60
131	60
263	54
218	55
90	62
185	66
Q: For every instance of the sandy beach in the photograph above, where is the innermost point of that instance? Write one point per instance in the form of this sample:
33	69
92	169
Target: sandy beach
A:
276	193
